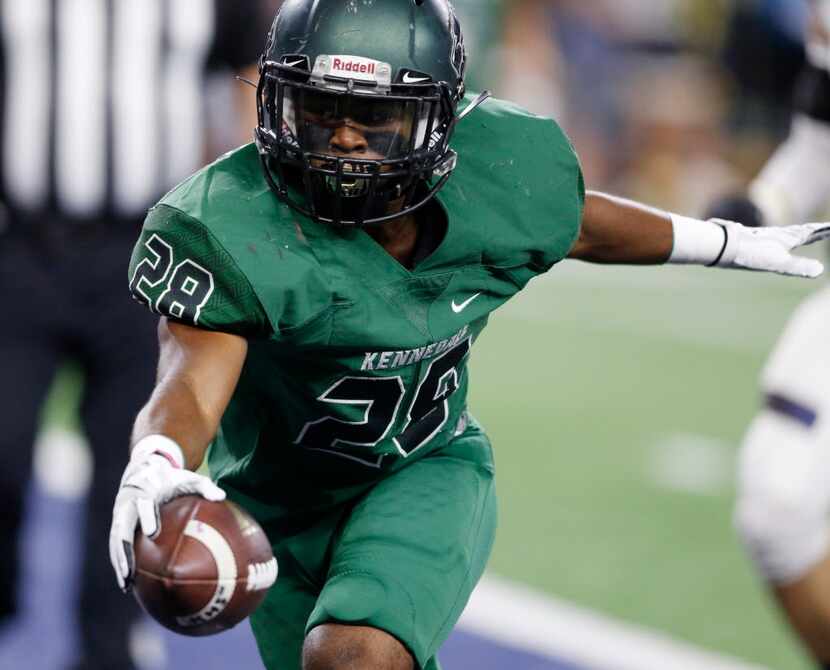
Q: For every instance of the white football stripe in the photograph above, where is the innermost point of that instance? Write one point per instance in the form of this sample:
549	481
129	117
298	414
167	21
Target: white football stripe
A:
222	554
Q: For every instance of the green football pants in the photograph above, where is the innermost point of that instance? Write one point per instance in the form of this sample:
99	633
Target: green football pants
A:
404	557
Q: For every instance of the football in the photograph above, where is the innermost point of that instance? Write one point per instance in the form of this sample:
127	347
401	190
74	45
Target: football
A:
208	569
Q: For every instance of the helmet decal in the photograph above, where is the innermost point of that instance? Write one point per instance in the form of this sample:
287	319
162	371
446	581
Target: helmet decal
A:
355	68
413	77
299	61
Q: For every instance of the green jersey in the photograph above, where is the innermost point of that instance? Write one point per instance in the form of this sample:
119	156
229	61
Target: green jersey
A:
357	365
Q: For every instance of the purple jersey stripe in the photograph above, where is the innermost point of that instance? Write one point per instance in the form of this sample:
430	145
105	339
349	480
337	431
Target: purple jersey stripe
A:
791	408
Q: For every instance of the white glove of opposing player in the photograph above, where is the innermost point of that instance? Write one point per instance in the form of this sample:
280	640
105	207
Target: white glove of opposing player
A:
154	475
769	249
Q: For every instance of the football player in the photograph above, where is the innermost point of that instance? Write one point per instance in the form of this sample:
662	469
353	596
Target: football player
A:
320	291
784	468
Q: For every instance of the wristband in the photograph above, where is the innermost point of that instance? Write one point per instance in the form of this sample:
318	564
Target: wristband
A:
697	242
161	445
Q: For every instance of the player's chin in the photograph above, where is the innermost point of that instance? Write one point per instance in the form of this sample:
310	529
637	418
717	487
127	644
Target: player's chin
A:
355	197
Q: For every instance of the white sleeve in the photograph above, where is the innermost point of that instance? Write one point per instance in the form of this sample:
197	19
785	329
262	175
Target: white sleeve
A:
797	367
795	183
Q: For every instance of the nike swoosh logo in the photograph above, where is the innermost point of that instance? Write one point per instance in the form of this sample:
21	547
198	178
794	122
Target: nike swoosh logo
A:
460	308
409	79
295	63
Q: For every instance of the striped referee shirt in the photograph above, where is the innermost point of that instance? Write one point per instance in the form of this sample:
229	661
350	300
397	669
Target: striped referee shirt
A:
101	101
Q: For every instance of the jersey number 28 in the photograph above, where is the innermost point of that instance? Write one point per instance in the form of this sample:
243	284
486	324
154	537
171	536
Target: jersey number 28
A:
187	286
381	397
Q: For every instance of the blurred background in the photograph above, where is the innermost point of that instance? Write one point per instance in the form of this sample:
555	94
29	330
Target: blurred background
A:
616	397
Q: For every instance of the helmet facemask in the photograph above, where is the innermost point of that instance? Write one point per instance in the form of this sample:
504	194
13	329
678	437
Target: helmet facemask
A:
353	151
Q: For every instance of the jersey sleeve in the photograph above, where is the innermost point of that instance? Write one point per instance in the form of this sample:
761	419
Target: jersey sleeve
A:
518	191
566	184
179	270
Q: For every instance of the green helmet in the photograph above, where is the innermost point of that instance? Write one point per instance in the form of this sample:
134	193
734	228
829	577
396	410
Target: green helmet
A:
357	103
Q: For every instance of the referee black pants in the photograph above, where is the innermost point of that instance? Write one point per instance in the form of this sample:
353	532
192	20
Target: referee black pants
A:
66	298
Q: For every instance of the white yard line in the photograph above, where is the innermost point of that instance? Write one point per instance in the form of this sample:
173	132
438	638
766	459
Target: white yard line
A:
517	616
695	464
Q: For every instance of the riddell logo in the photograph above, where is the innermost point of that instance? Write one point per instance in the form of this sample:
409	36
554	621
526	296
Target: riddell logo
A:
352	66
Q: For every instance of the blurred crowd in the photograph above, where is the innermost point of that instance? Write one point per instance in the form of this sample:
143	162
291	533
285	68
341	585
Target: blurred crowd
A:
673	102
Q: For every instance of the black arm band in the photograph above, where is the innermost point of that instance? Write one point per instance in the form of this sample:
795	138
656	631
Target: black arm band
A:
722	249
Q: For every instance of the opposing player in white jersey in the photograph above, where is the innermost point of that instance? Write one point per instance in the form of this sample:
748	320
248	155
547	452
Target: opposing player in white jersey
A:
783	507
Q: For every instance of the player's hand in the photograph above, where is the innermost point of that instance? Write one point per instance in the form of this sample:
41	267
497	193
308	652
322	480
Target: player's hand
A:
770	249
154	475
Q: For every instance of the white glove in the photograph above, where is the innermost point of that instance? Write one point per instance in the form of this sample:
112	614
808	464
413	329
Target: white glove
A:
726	244
154	475
769	249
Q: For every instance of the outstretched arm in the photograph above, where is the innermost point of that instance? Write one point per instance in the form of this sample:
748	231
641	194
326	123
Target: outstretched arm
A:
198	372
615	230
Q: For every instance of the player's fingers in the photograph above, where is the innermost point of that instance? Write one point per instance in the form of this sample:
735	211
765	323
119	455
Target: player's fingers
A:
201	485
791	237
124	522
129	553
797	266
208	490
129	561
816	232
797	236
118	561
148	516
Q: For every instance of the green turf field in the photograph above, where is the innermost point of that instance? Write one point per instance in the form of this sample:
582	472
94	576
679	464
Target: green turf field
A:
589	383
